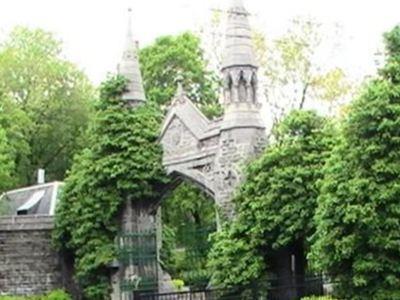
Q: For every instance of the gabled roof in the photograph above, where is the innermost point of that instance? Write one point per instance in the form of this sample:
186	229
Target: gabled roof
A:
39	199
188	114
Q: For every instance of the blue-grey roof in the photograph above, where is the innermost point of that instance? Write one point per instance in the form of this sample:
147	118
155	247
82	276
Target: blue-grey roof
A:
39	199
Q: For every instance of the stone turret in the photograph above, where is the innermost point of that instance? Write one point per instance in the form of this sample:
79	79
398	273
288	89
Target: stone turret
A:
239	66
130	68
213	153
239	71
242	133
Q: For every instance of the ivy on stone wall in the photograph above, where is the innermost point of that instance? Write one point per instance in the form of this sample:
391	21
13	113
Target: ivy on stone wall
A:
122	161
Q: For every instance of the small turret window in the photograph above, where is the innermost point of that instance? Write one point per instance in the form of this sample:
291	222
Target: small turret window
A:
242	88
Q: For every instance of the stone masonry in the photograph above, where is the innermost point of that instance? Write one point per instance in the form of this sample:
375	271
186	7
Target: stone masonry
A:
213	153
28	263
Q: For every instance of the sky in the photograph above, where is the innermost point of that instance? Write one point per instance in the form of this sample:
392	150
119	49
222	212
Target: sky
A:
93	31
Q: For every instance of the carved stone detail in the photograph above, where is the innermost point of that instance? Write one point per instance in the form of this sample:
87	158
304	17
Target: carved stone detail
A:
177	137
227	144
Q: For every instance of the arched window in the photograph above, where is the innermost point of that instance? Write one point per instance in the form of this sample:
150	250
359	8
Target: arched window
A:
253	87
242	97
228	88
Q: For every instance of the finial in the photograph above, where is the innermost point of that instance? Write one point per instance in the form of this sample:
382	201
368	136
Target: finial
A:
179	91
129	32
237	7
180	94
129	67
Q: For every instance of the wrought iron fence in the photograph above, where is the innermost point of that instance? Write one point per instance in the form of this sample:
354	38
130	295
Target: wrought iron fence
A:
138	258
307	286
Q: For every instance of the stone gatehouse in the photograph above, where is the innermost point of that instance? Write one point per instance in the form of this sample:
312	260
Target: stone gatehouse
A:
209	153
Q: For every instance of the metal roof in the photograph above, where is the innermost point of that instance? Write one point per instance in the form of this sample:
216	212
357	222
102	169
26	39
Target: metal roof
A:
39	199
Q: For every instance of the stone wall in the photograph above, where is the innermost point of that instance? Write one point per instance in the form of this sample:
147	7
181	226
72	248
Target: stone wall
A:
28	264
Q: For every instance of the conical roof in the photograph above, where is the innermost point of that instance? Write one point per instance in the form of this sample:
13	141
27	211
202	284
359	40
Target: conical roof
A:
239	49
130	68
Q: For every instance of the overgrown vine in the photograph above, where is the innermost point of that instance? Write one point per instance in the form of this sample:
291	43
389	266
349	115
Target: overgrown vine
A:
123	159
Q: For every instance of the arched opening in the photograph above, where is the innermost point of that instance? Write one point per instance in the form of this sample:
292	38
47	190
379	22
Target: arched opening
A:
165	246
188	217
242	88
253	87
228	88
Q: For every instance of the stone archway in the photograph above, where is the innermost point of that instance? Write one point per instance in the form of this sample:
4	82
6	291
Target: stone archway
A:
210	153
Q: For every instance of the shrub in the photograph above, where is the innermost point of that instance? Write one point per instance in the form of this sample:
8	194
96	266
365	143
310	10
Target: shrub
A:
318	298
57	295
53	295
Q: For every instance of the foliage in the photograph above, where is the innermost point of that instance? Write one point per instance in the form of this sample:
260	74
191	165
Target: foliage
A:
294	70
318	298
188	218
122	163
233	251
174	58
276	204
45	102
54	295
15	124
180	210
6	162
178	284
57	295
357	238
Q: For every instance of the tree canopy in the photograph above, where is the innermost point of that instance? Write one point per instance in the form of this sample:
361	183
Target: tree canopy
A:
357	238
296	71
189	216
179	58
6	163
123	162
276	204
45	103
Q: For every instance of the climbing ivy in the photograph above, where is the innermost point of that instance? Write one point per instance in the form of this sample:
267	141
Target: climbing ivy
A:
276	204
122	160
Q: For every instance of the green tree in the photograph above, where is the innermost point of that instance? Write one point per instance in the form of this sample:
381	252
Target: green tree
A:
276	204
16	125
357	237
123	162
295	70
189	216
174	58
50	95
6	163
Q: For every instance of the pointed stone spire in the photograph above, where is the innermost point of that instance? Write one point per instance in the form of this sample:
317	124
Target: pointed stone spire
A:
129	67
239	66
238	45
